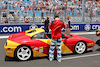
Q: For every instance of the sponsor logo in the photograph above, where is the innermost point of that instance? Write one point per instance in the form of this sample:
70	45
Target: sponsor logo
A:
36	48
11	29
42	27
90	48
95	27
41	49
87	27
90	44
75	27
9	51
33	26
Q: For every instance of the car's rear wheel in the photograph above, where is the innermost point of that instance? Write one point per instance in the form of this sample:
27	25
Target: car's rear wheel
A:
23	53
80	48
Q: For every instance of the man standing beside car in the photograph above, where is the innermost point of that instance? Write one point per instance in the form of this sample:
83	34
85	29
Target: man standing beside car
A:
46	23
68	25
56	25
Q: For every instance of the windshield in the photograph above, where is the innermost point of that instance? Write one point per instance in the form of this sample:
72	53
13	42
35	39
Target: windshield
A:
69	35
39	36
31	31
63	35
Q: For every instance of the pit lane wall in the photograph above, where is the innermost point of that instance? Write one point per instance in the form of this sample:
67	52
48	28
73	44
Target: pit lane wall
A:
6	29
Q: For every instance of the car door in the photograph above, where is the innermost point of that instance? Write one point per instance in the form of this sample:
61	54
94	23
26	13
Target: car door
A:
65	44
42	44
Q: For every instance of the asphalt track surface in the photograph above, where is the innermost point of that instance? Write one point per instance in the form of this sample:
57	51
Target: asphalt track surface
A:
89	59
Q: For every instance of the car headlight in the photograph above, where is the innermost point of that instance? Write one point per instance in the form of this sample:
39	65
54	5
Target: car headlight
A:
6	44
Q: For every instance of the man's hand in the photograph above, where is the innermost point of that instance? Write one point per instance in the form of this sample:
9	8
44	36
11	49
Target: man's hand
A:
48	27
98	32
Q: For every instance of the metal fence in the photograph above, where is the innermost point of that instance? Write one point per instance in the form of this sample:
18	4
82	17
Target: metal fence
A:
38	20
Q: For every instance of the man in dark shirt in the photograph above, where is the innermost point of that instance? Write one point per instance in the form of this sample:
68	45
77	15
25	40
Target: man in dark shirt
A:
46	23
42	14
56	25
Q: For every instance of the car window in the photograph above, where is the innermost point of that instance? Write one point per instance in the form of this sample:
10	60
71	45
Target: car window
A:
69	35
63	36
39	36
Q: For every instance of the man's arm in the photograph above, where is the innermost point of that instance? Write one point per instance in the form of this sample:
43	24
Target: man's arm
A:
8	21
29	21
64	25
50	25
98	32
4	22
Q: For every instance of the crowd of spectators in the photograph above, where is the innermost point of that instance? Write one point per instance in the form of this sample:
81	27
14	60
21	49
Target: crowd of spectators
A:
47	7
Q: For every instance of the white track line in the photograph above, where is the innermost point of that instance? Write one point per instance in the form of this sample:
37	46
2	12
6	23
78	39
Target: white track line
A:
80	56
92	32
1	37
84	33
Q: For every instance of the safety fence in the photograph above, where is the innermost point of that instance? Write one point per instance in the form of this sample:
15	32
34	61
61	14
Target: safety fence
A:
38	20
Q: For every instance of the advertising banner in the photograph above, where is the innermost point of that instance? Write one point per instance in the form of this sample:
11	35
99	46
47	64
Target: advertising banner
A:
4	29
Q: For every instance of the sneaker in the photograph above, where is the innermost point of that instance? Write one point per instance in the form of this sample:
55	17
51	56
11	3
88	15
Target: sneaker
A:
50	59
59	60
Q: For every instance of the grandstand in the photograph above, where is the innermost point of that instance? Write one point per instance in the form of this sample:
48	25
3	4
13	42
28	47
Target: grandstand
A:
17	11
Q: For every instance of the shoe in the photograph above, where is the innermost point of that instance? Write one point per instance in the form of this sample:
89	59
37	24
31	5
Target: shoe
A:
50	59
59	60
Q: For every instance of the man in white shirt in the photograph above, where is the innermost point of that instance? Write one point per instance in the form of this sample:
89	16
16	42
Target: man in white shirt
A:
68	25
22	8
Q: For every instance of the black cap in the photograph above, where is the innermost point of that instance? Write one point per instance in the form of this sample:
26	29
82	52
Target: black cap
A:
56	15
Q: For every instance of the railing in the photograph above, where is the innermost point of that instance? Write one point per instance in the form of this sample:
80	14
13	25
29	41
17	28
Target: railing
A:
38	20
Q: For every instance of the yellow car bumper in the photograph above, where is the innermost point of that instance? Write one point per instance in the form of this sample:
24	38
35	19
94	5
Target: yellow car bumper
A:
9	51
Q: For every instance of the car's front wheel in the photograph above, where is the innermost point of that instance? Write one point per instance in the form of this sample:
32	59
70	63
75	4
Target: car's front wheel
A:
23	53
80	48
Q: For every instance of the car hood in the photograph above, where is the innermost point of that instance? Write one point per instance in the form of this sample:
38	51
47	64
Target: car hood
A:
76	36
18	36
13	36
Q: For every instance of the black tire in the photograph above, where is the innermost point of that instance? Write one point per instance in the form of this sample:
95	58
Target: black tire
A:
29	53
98	42
80	49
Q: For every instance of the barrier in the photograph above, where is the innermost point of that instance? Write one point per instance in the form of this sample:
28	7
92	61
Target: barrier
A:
5	29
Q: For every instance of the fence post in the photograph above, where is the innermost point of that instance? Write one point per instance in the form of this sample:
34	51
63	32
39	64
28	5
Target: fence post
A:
65	10
83	10
33	12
